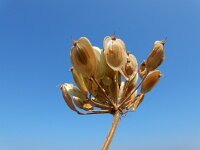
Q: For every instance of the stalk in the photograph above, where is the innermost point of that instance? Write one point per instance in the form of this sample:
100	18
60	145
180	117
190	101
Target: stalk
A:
111	133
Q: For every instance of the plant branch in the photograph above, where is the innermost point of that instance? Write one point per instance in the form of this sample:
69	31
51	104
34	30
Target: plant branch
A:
97	104
110	135
122	103
103	91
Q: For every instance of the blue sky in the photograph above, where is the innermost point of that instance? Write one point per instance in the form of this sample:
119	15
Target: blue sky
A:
34	58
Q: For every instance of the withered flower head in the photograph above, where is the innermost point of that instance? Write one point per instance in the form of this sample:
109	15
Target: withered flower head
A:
107	79
83	58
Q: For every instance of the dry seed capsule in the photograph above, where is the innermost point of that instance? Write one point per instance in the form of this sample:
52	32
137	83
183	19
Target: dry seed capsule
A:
150	81
130	68
83	58
115	52
142	70
156	56
78	78
101	63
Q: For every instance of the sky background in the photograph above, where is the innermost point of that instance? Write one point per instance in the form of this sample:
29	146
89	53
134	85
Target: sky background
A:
34	58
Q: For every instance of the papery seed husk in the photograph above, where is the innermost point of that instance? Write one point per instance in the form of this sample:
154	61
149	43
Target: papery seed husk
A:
142	69
91	86
78	78
150	81
132	84
101	63
115	53
67	98
121	90
138	101
130	67
72	90
78	102
83	58
156	56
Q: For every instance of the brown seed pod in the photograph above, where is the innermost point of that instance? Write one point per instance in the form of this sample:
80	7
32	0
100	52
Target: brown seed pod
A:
129	69
156	56
142	70
83	58
78	78
115	52
137	102
150	81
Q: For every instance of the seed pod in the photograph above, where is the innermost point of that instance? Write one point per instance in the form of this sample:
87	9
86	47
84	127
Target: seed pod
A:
137	101
131	84
67	98
82	104
142	70
72	90
130	67
156	56
78	102
83	58
121	90
150	81
78	78
101	63
115	52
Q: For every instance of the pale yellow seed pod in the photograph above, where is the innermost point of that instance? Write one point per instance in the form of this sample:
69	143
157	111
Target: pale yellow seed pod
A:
130	67
150	81
101	63
138	101
156	56
83	58
115	52
78	78
72	90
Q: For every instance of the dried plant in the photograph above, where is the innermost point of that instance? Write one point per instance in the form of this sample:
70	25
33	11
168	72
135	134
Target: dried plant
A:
107	78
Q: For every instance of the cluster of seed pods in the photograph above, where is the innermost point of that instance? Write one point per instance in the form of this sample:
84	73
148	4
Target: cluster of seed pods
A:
106	79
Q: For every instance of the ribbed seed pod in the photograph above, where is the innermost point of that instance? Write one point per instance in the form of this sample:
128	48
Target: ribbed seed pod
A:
101	63
150	81
138	101
129	69
142	69
83	58
156	56
115	52
78	78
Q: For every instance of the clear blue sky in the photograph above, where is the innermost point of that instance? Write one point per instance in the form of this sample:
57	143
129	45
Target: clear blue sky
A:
34	58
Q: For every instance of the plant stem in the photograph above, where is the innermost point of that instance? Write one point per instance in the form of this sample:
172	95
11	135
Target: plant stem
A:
110	135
